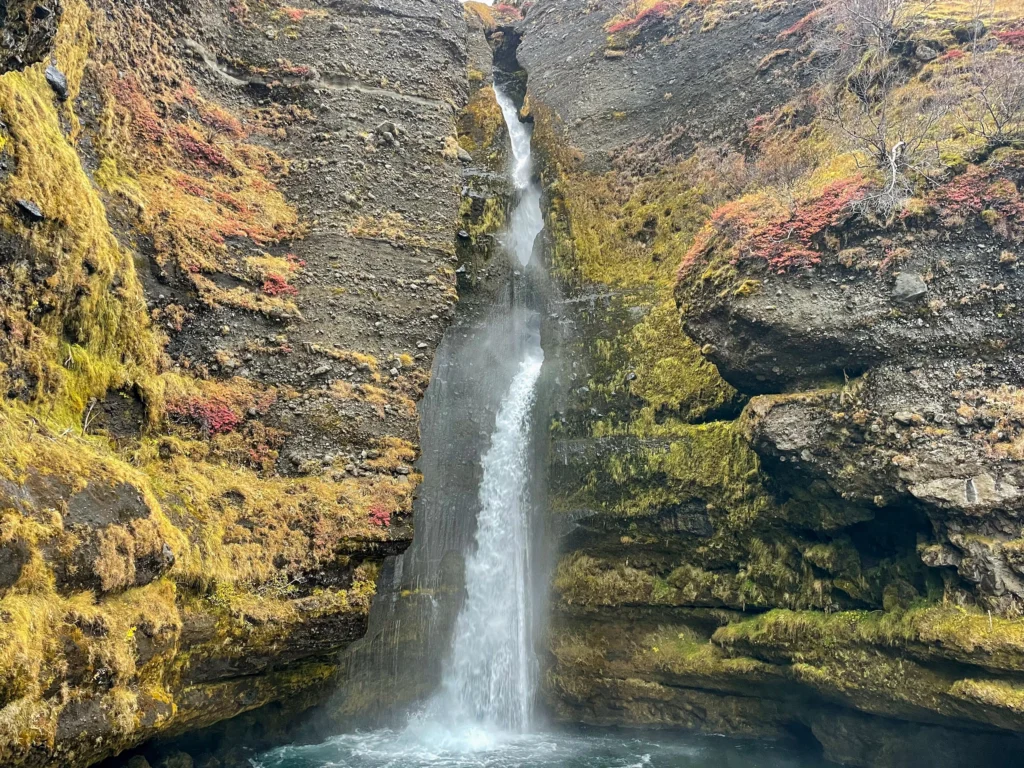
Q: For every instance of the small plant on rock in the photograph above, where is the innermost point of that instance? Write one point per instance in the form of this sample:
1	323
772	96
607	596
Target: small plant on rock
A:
863	97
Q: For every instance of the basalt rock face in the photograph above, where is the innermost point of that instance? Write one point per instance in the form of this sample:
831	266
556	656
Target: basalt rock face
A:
785	456
227	256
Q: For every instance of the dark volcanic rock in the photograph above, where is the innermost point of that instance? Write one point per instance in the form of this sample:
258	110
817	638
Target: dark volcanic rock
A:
29	211
836	321
701	87
27	31
58	81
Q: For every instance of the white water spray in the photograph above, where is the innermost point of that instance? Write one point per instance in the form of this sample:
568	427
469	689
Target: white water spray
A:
490	677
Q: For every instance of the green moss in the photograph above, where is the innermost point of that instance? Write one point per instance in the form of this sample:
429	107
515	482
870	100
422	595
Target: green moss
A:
657	363
482	219
709	462
771	575
997	694
932	630
630	233
481	128
679	651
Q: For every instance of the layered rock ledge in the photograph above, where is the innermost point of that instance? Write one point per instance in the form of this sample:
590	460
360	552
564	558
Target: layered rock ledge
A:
785	455
227	256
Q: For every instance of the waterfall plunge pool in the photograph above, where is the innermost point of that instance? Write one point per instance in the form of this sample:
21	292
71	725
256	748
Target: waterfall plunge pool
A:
423	745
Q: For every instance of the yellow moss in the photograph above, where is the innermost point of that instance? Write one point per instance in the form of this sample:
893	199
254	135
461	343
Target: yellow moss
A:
1000	11
679	651
123	709
391	227
947	632
490	221
667	371
482	120
708	461
997	694
77	326
631	233
394	454
584	581
482	12
576	652
451	148
100	308
360	360
192	183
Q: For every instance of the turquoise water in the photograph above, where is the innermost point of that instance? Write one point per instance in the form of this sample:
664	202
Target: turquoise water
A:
424	748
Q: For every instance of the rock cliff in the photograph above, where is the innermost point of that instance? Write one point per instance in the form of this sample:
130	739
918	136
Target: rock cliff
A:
784	457
227	254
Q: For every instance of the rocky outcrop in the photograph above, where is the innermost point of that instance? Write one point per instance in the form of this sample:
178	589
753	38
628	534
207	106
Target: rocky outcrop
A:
27	31
796	511
227	256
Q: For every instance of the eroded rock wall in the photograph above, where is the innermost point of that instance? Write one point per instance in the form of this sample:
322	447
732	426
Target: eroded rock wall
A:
785	468
227	256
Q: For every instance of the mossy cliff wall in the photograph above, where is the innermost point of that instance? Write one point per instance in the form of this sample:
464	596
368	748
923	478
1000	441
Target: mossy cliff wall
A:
399	663
788	484
227	253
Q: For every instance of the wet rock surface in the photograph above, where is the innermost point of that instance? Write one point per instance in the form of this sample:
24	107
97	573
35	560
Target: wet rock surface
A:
257	206
820	532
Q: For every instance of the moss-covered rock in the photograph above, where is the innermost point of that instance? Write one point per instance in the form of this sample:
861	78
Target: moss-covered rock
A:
207	444
805	553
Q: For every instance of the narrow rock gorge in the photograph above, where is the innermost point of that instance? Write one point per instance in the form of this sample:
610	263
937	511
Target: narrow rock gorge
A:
318	447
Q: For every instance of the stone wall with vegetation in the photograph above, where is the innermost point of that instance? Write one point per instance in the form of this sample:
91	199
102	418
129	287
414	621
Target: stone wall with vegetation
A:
227	253
785	454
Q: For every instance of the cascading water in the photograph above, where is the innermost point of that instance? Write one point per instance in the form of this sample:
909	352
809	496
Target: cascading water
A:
480	715
490	677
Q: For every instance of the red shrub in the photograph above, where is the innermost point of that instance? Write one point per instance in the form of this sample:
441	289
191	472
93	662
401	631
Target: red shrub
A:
380	516
295	70
214	415
508	10
145	123
954	54
756	231
801	27
985	188
276	285
188	185
1013	38
656	12
198	151
222	121
296	14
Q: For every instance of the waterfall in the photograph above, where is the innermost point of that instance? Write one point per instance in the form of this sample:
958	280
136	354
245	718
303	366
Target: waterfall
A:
489	678
490	674
455	620
452	628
